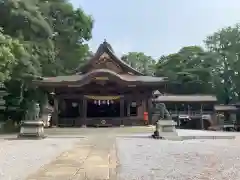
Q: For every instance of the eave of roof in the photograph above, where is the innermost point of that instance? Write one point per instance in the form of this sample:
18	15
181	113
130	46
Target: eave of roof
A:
78	78
225	108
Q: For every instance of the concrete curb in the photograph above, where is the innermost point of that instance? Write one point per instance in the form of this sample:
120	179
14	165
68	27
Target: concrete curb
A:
207	137
180	138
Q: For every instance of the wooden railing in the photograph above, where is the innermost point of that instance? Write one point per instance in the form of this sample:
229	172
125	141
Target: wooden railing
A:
190	113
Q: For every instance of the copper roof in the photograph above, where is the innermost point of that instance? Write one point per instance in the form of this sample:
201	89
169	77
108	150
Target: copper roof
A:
102	72
105	47
186	98
225	108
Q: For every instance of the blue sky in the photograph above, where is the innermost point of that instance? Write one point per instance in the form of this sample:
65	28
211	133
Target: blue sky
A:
157	27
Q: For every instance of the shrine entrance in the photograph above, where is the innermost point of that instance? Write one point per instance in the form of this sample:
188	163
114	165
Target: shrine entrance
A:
103	106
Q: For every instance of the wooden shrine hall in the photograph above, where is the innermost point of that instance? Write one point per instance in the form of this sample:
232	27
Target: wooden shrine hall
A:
104	91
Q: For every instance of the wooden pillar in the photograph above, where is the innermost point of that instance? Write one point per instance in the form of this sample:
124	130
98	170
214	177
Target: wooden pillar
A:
214	119
150	108
233	117
201	118
55	113
122	109
177	114
188	110
84	111
128	108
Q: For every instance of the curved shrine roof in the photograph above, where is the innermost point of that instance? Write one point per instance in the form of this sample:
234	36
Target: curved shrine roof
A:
99	72
90	71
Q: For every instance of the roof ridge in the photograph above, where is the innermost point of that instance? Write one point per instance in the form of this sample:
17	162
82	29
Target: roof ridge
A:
107	48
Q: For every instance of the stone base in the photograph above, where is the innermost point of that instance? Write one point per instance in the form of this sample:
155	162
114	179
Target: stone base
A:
26	136
32	129
172	136
156	135
167	125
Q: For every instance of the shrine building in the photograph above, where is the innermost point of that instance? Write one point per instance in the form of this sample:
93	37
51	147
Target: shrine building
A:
104	91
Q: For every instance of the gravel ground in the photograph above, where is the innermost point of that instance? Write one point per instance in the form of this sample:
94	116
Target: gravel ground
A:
19	158
149	159
187	132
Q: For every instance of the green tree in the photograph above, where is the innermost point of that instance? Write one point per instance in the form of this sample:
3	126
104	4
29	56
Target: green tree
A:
10	51
53	36
188	71
24	21
225	44
72	28
141	62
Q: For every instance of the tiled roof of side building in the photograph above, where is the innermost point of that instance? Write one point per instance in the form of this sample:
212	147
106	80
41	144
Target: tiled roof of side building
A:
225	108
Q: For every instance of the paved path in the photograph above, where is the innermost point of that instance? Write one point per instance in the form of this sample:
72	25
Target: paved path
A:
93	158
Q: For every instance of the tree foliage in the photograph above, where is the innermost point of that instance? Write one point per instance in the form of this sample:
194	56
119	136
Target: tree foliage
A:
141	62
39	38
188	71
10	51
225	44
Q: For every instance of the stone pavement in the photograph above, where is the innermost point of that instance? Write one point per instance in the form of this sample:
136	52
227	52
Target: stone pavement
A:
93	158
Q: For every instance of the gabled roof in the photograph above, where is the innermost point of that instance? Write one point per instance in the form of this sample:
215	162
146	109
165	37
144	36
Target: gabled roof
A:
105	47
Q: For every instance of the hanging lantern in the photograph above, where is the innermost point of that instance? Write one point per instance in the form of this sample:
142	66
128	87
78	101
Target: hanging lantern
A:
99	102
112	102
103	102
107	102
95	102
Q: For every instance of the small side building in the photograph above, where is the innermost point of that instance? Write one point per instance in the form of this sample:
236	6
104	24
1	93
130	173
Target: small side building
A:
226	114
193	106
